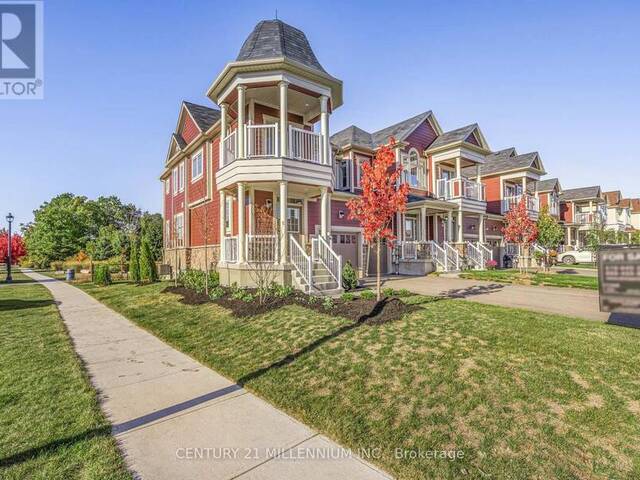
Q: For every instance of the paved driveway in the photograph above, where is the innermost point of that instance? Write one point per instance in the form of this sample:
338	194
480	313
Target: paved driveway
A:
564	301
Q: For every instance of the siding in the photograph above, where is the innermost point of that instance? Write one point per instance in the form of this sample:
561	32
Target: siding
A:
421	138
492	189
198	189
472	139
189	130
565	212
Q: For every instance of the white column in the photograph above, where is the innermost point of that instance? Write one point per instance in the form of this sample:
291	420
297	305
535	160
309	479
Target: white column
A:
284	238
568	235
449	226
478	176
423	221
223	132
481	232
222	213
436	234
524	185
284	121
241	231
324	193
252	210
305	220
241	121
458	167
460	227
324	129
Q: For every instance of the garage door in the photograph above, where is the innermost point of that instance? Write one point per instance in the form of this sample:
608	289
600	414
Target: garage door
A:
346	244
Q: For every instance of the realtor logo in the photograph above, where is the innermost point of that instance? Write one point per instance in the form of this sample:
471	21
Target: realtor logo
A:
21	49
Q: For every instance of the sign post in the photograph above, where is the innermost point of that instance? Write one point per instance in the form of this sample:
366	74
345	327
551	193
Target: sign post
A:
619	279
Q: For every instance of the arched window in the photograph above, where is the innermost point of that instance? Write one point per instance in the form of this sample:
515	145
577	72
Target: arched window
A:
414	169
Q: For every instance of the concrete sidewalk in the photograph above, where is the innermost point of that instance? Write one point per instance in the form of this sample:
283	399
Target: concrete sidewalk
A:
177	419
573	302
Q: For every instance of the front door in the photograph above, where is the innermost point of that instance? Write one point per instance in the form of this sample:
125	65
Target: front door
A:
294	222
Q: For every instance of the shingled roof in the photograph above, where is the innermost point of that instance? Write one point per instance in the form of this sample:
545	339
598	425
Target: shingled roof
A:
613	197
204	117
546	185
582	193
454	136
507	160
635	205
358	137
276	39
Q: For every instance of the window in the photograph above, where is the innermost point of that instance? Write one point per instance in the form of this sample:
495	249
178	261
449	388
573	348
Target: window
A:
179	228
167	233
410	228
181	177
359	161
342	174
293	220
174	180
167	186
196	166
228	214
414	169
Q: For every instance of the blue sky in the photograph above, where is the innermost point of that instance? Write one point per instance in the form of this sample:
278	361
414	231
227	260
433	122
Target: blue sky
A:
557	77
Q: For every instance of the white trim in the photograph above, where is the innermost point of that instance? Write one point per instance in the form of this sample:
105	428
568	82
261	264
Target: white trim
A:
199	153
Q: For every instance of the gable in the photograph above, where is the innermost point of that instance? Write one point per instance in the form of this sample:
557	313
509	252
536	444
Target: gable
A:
188	128
473	139
422	136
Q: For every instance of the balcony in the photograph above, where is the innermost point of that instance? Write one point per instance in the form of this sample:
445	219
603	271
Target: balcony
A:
591	218
532	203
460	188
554	208
263	158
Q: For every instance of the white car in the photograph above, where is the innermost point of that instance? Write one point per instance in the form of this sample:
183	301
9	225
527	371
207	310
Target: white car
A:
576	256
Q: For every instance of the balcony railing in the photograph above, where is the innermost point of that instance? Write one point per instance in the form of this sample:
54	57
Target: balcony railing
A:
554	208
261	248
263	141
305	145
590	218
509	202
460	188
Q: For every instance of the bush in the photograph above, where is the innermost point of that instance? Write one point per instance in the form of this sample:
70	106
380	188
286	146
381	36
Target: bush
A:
134	262
57	265
388	292
347	297
242	294
367	295
148	271
280	291
349	277
327	303
102	275
195	280
491	264
403	292
216	292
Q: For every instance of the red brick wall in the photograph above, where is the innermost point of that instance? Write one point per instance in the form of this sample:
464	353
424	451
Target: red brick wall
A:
565	212
543	199
492	189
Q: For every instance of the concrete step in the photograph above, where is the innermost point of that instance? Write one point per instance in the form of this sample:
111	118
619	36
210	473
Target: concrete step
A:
325	286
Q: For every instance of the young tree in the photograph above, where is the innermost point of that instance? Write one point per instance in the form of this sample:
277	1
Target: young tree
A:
151	228
148	271
550	234
262	252
202	217
134	261
520	229
383	196
18	249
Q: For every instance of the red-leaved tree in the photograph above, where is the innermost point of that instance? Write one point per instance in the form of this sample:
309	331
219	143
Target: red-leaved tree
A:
520	229
382	197
18	249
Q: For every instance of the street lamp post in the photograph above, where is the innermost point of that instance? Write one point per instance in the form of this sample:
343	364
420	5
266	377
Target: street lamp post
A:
9	219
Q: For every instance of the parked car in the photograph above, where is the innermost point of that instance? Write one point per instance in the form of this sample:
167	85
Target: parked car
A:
581	255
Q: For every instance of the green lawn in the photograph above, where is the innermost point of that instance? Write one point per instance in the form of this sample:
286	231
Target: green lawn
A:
548	279
51	426
521	394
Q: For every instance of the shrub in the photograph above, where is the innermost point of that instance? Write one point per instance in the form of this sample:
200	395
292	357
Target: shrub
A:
216	292
102	275
241	294
349	277
367	295
388	292
328	303
347	297
491	264
148	271
134	262
195	280
56	266
403	292
280	291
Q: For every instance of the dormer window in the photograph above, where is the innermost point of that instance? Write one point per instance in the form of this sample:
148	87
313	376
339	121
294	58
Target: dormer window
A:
342	175
414	169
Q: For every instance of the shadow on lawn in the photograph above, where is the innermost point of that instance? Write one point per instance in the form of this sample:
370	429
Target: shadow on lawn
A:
288	359
52	447
17	304
472	291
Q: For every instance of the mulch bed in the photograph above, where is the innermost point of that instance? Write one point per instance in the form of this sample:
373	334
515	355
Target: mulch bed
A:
358	310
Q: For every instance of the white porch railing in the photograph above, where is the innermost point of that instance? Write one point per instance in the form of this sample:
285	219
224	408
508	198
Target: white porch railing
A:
409	250
301	262
453	257
229	144
487	253
322	252
261	140
438	254
512	249
509	202
460	188
590	218
230	253
305	145
261	248
554	208
474	254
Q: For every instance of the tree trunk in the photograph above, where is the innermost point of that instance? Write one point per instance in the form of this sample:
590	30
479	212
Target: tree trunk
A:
378	271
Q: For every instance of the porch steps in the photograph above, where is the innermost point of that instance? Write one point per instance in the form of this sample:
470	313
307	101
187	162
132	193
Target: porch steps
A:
323	283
